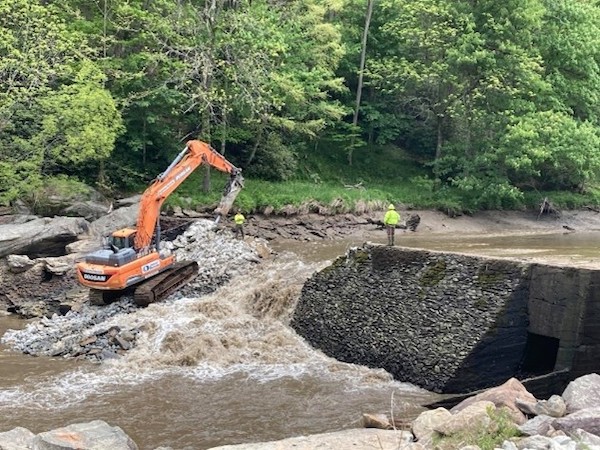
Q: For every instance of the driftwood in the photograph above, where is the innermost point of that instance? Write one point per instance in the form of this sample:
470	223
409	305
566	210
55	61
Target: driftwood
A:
546	207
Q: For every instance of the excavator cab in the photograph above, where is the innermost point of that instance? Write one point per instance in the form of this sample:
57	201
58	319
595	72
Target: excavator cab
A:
118	249
121	239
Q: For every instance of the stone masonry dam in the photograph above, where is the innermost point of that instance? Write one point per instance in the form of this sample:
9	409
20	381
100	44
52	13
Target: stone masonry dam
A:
454	323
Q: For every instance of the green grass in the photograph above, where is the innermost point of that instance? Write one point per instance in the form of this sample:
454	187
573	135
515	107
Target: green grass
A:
485	437
378	176
381	176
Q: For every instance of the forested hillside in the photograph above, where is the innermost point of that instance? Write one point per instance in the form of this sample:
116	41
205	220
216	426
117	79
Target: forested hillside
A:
475	104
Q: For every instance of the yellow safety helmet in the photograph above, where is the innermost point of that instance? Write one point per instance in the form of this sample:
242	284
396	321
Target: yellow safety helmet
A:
391	206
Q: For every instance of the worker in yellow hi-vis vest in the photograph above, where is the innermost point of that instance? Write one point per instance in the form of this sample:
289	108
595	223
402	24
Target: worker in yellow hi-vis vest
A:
239	220
390	220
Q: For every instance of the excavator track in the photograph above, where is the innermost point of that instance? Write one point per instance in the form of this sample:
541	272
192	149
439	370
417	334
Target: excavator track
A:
165	283
99	298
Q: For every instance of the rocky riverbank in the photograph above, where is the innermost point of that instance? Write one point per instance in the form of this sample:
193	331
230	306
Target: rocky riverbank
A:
35	284
506	417
96	333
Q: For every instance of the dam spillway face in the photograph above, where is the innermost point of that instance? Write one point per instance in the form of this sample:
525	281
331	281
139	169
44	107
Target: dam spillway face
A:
451	323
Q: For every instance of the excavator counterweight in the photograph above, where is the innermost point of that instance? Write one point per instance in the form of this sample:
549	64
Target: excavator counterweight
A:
134	261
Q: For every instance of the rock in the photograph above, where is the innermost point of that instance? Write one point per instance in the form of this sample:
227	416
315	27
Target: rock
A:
57	266
129	201
89	210
19	263
19	207
586	419
584	392
191	213
37	291
95	435
178	211
88	340
16	439
503	395
475	415
122	343
41	237
424	425
413	222
539	425
586	438
83	246
356	439
380	421
535	443
555	407
117	219
17	219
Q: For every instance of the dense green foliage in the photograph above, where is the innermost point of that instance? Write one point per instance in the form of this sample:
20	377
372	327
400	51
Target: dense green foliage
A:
465	105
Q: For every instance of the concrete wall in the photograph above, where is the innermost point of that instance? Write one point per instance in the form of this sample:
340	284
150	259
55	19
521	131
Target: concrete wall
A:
450	322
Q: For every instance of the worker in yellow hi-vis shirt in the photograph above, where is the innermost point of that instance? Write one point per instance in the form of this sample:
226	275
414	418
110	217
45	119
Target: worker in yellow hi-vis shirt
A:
239	220
390	220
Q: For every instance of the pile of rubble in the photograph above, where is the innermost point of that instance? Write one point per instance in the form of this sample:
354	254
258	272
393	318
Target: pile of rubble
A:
95	333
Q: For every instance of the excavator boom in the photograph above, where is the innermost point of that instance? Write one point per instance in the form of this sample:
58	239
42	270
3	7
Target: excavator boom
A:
194	154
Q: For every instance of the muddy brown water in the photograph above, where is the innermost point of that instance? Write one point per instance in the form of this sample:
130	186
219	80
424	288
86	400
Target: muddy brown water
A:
226	369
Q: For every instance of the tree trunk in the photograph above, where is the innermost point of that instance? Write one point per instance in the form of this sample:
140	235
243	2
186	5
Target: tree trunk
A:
224	131
259	135
363	55
439	140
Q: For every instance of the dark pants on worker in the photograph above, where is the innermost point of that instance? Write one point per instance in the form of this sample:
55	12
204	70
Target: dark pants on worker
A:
390	233
239	229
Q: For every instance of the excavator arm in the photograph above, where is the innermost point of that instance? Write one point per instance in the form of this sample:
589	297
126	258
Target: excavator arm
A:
195	154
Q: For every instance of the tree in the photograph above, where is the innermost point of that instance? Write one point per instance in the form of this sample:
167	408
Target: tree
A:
80	123
363	55
570	48
256	69
38	57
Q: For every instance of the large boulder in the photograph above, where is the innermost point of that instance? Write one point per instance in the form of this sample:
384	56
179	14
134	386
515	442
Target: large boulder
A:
506	394
95	435
584	392
16	439
585	419
423	427
357	439
475	415
41	237
88	209
117	219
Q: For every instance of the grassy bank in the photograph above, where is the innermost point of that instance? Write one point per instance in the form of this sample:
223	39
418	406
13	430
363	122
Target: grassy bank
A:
324	182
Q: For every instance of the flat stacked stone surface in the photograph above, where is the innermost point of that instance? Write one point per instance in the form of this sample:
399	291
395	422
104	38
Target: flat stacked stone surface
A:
445	322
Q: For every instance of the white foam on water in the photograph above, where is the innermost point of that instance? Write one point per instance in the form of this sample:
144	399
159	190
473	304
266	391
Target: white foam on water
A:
242	327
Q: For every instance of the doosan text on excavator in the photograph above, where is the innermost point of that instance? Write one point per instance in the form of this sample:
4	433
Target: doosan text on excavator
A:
134	260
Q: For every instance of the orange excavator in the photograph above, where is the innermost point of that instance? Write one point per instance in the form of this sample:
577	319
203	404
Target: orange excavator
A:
134	260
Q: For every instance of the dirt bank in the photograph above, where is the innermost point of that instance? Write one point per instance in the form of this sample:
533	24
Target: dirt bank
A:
312	227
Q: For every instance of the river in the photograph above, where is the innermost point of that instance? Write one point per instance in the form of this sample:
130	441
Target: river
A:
225	368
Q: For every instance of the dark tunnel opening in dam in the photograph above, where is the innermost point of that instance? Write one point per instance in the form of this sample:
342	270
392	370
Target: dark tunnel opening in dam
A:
540	354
